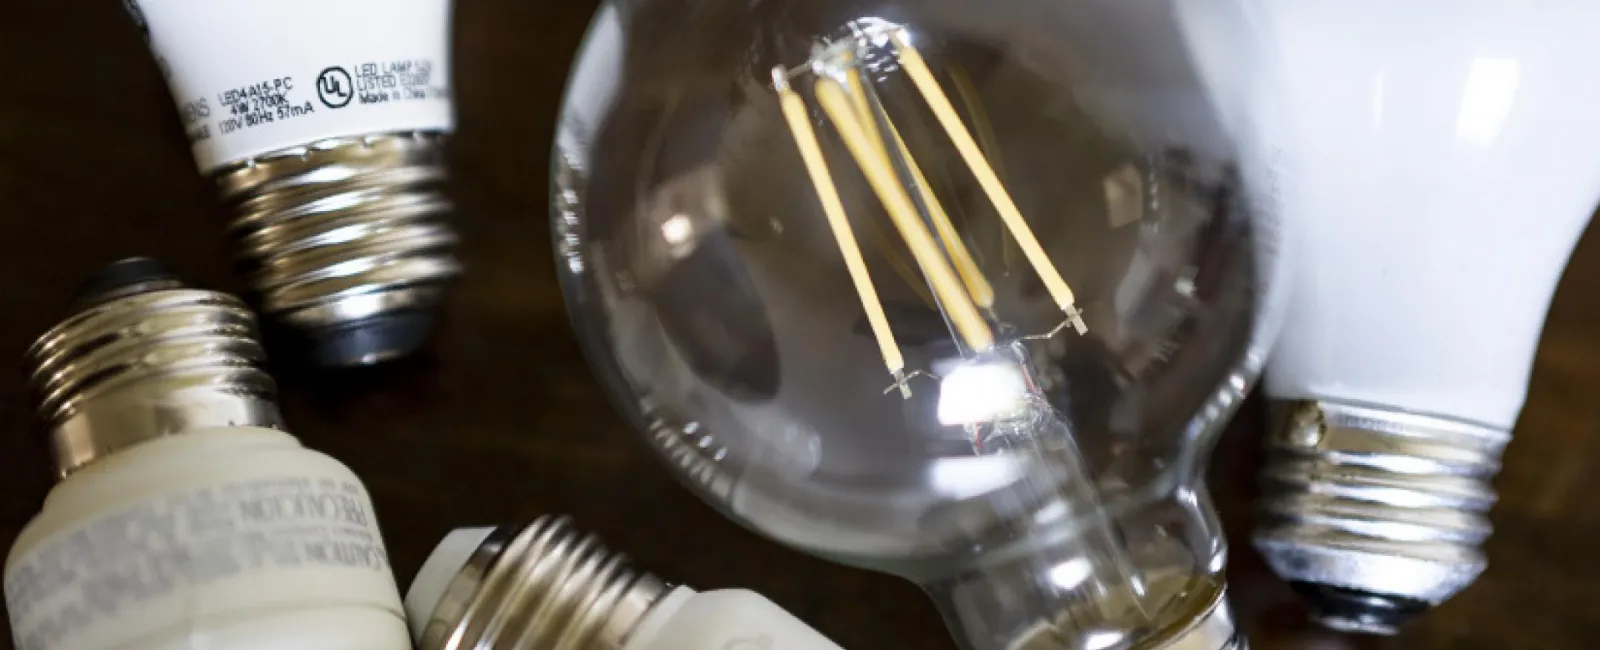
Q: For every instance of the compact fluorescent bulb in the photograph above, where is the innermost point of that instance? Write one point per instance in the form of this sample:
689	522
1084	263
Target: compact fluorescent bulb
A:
185	516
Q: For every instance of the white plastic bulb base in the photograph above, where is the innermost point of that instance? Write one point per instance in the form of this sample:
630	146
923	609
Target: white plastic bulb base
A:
549	588
1441	164
184	518
323	124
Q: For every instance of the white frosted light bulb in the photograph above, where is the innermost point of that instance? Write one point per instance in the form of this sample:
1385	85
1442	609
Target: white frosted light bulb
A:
185	517
1441	164
548	587
323	123
957	291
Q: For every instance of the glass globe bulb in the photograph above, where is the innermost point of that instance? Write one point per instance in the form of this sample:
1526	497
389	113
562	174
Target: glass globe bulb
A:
958	291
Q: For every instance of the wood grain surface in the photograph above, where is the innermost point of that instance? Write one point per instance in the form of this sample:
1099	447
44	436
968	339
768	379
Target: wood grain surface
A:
501	420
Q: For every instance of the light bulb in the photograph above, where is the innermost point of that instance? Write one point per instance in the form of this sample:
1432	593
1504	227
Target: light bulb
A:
545	586
1442	188
323	124
957	291
185	517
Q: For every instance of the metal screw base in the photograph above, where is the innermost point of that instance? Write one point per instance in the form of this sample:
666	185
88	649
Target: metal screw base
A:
344	241
545	586
1375	514
144	357
1358	612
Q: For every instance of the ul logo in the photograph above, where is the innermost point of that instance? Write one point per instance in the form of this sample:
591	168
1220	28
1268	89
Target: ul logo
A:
334	87
762	642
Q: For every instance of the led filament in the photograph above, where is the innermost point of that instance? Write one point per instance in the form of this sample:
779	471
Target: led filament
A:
848	100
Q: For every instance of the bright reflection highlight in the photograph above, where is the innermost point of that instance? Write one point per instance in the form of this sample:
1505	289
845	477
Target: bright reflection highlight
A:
972	476
677	229
982	392
1102	640
1068	575
1486	102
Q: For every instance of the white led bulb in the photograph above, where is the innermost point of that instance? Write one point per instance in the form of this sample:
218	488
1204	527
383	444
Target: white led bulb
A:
1440	162
185	516
322	123
548	587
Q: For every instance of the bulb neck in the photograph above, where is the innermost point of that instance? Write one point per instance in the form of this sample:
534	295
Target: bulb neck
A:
1374	514
1196	618
1089	593
541	586
344	241
145	356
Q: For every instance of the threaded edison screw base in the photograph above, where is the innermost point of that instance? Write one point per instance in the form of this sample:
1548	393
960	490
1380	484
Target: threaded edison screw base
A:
143	357
544	586
1376	515
344	241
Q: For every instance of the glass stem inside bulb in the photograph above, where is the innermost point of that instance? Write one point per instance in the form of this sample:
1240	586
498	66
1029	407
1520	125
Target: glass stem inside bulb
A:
1054	564
978	294
1073	586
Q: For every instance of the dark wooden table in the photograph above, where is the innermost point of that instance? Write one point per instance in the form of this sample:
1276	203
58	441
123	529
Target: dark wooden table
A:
502	422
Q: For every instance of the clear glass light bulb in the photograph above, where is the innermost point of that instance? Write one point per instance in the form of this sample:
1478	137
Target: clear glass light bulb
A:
958	291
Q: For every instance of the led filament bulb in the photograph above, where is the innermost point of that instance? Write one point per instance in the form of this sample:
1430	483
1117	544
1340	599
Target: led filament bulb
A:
547	587
185	517
960	291
323	124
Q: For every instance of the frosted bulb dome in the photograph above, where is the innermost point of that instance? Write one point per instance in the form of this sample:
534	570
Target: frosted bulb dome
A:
953	290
